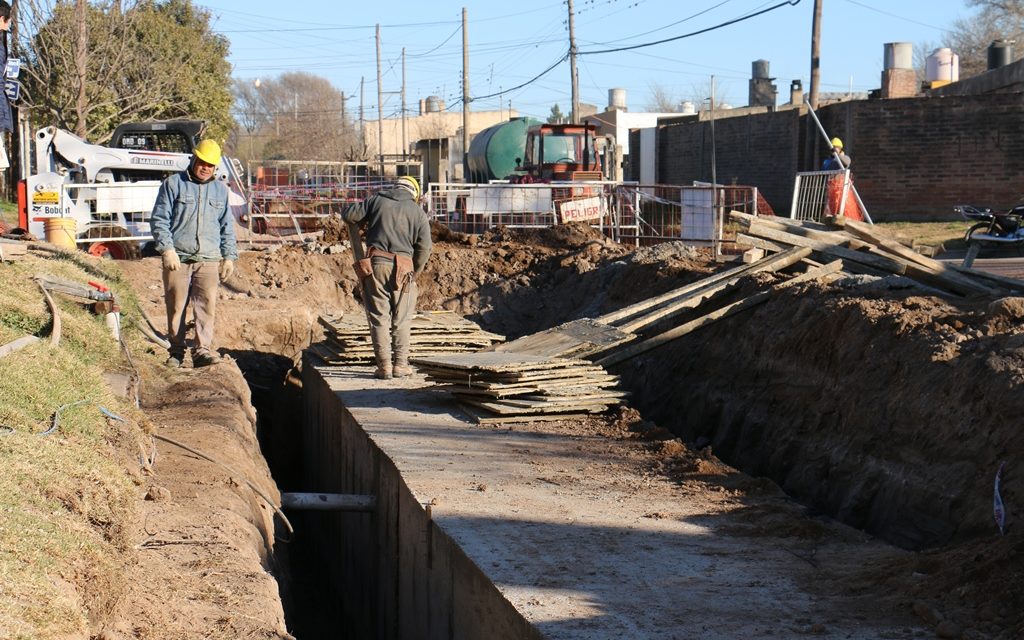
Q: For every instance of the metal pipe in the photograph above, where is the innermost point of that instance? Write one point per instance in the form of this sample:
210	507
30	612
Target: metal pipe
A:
328	502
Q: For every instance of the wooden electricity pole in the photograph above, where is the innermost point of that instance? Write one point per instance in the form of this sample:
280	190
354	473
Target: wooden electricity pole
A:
405	148
815	54
465	99
575	116
380	108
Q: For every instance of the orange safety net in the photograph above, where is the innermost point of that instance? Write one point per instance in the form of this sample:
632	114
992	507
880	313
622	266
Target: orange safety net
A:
835	199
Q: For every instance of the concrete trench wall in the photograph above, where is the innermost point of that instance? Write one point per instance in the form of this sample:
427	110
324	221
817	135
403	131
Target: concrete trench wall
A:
393	573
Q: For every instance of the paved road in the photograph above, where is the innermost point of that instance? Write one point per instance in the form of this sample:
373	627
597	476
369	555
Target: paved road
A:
1009	264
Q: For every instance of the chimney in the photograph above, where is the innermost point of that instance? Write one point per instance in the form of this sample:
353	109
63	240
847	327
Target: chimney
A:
796	92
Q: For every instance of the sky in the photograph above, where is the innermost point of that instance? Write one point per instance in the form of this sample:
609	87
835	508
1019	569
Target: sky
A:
512	43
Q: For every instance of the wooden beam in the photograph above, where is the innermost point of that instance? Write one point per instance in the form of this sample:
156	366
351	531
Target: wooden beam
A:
760	243
771	263
1009	283
813	273
870	259
683	329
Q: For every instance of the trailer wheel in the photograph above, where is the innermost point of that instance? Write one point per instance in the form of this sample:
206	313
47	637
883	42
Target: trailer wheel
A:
107	248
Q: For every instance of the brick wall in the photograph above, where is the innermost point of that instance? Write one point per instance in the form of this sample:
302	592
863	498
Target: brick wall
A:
917	157
760	150
913	158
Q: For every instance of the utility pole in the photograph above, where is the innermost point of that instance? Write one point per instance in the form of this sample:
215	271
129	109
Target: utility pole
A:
380	109
572	68
344	121
465	99
404	147
362	120
815	54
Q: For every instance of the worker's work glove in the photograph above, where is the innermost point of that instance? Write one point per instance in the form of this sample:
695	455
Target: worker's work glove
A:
171	260
227	267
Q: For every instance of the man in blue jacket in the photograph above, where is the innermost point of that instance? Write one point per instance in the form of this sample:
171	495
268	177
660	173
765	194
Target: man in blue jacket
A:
194	233
398	237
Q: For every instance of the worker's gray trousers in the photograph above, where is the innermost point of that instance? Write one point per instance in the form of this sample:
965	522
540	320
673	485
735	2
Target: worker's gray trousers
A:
390	313
195	283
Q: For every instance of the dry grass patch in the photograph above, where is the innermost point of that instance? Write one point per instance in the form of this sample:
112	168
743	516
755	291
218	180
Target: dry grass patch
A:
65	498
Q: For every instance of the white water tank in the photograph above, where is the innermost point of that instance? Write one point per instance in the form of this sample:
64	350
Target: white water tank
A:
899	55
434	104
686	108
617	99
942	65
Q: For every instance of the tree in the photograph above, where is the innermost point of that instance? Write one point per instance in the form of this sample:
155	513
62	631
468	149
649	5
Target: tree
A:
660	100
90	67
290	112
971	37
556	117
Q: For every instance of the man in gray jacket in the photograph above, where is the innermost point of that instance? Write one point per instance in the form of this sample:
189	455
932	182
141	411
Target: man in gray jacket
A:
398	237
194	233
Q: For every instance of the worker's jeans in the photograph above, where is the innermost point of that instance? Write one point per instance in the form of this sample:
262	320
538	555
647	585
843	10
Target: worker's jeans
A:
195	283
390	312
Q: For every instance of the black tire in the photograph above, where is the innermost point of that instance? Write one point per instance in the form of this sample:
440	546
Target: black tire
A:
980	227
127	250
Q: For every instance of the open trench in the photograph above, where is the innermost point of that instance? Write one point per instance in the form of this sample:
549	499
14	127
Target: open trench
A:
843	400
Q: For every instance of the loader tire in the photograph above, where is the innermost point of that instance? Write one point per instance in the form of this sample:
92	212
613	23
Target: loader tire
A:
106	248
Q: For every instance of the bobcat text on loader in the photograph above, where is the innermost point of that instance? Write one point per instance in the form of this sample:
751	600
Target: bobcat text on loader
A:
109	191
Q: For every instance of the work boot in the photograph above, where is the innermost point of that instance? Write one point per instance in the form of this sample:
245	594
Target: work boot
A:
402	368
205	358
174	361
383	372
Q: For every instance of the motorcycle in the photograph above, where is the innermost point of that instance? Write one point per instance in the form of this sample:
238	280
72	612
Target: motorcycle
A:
992	226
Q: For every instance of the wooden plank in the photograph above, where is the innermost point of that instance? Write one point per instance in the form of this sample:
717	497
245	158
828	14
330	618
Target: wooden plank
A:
813	273
760	243
480	418
501	409
576	338
870	259
498	362
771	263
683	329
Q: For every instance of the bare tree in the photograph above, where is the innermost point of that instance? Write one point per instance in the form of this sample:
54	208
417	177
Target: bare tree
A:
660	100
302	117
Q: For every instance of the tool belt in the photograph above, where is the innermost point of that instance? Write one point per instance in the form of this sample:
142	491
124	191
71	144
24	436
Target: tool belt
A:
403	267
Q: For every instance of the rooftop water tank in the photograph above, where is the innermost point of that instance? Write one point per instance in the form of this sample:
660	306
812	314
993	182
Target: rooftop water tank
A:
759	69
434	104
617	99
942	65
686	108
899	55
1000	54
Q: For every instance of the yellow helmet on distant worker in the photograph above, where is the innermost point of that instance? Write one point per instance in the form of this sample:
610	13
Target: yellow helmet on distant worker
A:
411	184
836	142
208	151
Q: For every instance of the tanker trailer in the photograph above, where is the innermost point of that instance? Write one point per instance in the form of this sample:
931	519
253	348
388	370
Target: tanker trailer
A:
494	151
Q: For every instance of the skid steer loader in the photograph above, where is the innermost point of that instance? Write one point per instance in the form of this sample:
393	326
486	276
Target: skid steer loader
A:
109	191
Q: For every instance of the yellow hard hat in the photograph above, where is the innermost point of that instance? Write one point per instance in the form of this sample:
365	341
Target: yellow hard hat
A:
412	184
836	142
208	151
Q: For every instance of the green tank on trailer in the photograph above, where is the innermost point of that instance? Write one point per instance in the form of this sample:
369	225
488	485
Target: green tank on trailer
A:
493	152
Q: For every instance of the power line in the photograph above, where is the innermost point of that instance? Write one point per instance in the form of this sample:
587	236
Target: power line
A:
694	33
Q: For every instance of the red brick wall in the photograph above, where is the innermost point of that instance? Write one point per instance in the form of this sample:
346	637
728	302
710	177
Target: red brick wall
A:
917	157
913	158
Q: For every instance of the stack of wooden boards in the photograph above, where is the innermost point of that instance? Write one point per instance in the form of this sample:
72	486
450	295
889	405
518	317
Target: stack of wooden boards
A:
513	386
864	249
11	250
347	337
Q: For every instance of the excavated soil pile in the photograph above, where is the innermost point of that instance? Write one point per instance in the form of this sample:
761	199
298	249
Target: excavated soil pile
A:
869	402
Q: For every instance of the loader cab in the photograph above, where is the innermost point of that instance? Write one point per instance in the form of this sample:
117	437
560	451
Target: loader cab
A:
171	136
561	152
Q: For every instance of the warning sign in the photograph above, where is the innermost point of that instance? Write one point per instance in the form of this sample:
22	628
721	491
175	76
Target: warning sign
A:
46	197
583	209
